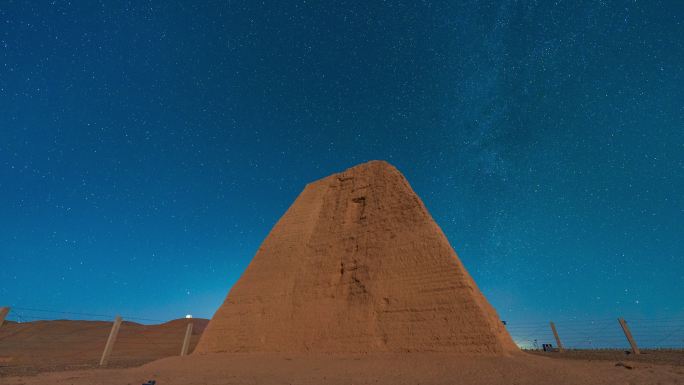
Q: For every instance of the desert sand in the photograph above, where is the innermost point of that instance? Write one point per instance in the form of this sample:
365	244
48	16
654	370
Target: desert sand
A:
375	368
32	347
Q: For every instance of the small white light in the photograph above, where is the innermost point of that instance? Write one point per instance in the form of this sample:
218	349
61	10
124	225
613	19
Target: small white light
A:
188	316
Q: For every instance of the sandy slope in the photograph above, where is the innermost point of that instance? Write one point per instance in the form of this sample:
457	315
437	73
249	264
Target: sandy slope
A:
376	368
53	345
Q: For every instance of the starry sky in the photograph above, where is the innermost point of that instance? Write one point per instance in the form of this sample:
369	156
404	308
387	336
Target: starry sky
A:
147	147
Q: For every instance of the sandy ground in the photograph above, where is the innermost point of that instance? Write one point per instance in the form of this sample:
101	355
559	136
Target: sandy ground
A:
385	368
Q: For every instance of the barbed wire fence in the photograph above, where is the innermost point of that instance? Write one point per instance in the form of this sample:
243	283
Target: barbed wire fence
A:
23	314
66	343
605	333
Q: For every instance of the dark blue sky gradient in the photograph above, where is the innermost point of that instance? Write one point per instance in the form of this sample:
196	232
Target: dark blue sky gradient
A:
147	148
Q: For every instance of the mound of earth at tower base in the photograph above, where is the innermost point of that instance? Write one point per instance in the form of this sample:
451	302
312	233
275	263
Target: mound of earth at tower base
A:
356	265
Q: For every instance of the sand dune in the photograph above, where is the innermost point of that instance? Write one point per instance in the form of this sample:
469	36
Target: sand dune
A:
56	345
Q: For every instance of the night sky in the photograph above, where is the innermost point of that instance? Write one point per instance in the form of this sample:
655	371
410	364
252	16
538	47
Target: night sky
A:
147	148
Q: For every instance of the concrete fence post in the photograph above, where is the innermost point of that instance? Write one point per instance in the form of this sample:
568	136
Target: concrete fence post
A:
628	334
555	335
110	342
3	313
186	340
